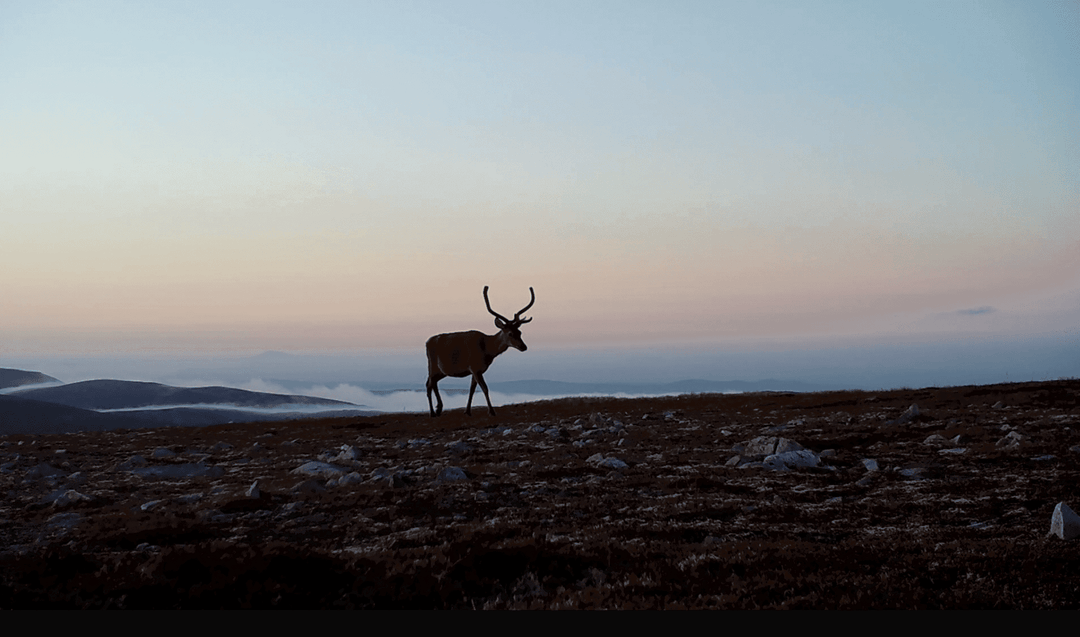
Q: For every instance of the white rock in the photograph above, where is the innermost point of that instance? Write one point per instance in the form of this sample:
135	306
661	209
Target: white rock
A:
348	454
351	478
611	463
71	496
320	469
786	445
955	451
934	440
769	445
1064	523
253	491
1012	441
802	458
870	464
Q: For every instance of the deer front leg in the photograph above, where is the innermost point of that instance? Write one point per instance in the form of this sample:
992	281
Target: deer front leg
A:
433	385
483	385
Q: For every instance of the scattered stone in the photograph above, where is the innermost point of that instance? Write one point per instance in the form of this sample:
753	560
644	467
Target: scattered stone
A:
348	454
146	506
451	474
459	448
393	480
769	445
176	471
63	522
612	463
911	414
801	459
44	470
955	451
162	452
309	488
1011	442
346	480
320	469
1064	523
934	440
132	463
561	434
69	497
870	464
253	491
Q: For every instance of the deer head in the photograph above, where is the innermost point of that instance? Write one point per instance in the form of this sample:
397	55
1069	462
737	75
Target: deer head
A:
511	328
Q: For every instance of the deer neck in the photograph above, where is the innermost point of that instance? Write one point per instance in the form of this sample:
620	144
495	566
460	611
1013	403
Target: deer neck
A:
498	344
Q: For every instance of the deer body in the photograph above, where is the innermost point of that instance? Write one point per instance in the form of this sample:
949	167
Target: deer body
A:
461	354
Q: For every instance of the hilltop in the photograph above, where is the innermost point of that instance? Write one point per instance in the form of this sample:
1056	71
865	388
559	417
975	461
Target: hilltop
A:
18	377
916	498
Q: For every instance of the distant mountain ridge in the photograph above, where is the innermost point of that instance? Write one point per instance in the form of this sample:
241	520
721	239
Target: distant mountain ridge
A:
128	394
84	406
19	377
21	415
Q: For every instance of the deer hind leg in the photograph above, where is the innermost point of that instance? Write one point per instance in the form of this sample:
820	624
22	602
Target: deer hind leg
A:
480	379
433	386
472	388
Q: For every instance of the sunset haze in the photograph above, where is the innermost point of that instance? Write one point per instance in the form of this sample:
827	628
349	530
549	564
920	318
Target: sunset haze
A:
230	178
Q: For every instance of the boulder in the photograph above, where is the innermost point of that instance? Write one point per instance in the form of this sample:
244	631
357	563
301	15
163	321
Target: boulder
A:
803	458
320	469
1064	523
451	474
769	445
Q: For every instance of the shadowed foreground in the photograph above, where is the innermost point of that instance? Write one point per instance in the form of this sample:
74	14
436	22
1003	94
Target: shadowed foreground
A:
586	503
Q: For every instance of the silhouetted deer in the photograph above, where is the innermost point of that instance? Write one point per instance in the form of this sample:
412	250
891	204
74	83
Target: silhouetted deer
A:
461	354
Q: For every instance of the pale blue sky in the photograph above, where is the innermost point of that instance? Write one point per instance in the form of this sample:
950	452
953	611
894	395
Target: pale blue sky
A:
327	176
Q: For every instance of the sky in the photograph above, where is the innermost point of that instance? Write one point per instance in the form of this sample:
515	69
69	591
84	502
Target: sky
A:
206	178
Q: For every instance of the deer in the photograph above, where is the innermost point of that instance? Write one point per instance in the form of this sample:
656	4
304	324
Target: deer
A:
461	354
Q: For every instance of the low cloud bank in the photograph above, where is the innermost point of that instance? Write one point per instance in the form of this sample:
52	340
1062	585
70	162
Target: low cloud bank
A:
407	400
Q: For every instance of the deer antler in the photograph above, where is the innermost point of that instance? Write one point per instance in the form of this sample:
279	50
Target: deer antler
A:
522	310
518	321
496	314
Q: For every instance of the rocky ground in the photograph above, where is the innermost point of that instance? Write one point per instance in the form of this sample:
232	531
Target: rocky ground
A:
821	500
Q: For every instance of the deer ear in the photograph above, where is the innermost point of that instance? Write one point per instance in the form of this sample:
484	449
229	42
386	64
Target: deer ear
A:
499	323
